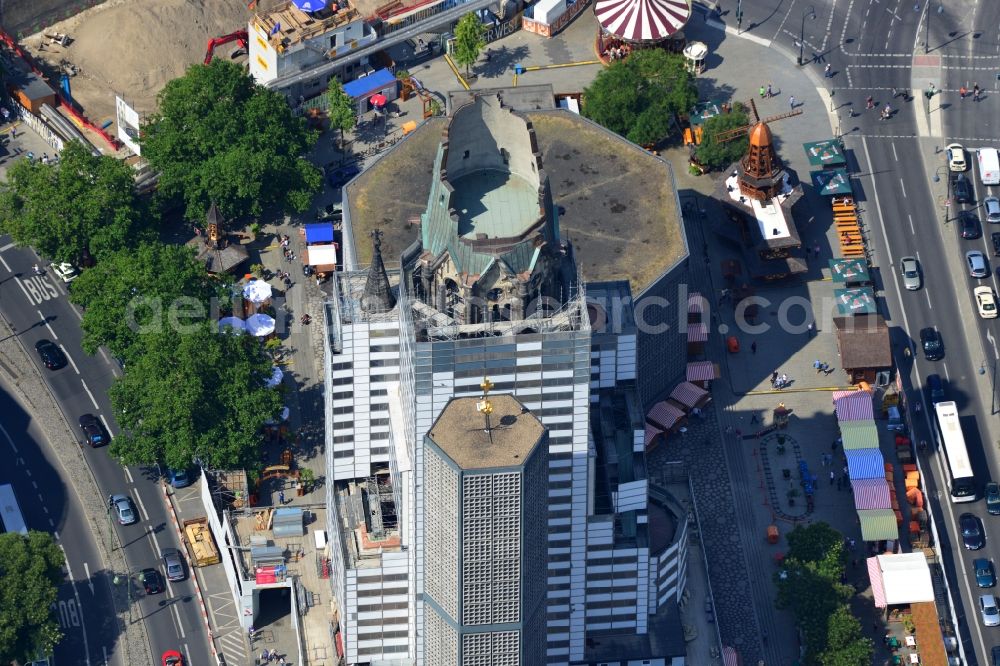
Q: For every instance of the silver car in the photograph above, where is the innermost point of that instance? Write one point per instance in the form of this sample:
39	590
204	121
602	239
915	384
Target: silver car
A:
910	269
989	610
173	563
122	506
992	207
978	268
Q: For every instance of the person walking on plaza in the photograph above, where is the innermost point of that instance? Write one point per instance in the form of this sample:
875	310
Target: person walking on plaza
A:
975	92
763	90
753	347
962	92
769	92
281	497
869	103
828	70
833	477
791	102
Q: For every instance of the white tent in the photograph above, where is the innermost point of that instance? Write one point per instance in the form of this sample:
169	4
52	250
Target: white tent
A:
902	578
322	255
257	291
260	325
232	325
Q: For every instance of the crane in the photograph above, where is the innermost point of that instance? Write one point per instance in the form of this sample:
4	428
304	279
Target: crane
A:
239	36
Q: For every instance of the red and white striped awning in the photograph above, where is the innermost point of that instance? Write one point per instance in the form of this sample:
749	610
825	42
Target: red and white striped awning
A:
697	332
689	395
730	657
642	20
875	576
665	416
696	303
652	432
702	371
871	494
853	405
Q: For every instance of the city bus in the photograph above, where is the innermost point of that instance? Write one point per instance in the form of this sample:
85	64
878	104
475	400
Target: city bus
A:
10	511
961	479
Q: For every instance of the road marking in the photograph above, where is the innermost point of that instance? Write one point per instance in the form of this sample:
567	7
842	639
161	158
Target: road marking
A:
76	594
902	187
145	516
71	361
48	325
6	247
90	581
993	342
895	156
128	474
946	375
87	389
910	218
106	426
34	484
177	616
878	207
4	262
10	440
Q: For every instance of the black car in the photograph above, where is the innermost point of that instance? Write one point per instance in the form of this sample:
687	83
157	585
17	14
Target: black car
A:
343	175
995	240
995	655
93	431
51	355
935	388
970	225
933	348
152	581
961	188
973	535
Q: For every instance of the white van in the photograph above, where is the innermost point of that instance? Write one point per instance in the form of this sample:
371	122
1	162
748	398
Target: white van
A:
989	166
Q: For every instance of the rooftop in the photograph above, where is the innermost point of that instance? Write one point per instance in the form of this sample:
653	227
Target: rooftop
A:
620	207
460	432
770	215
288	25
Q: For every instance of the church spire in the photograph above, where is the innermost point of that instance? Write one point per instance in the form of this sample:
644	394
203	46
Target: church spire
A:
377	296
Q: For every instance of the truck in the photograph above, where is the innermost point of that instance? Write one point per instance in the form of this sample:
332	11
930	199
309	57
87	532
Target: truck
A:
989	166
200	545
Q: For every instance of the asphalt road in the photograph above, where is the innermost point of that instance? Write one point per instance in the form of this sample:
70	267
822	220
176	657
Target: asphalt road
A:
38	308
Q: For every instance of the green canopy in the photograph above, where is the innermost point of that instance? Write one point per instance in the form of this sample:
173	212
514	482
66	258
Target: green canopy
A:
824	153
859	435
854	271
860	300
878	524
830	182
702	111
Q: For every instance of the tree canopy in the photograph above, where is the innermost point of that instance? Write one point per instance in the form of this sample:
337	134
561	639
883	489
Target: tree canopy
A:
196	395
218	136
809	586
636	97
719	155
470	38
155	284
83	206
30	574
340	107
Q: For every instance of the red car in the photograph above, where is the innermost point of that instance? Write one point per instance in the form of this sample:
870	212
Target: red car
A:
172	658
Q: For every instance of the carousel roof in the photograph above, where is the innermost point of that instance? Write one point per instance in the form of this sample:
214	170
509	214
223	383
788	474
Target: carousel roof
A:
642	20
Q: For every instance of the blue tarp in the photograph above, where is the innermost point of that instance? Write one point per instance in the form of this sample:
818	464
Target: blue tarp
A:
319	232
370	84
865	464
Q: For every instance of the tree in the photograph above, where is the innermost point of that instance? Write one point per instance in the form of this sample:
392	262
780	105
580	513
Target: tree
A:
219	137
131	290
30	574
637	97
199	394
470	38
84	206
846	644
719	155
340	107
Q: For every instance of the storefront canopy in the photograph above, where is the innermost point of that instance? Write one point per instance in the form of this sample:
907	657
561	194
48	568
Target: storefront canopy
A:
902	578
826	153
702	111
830	182
865	464
853	406
859	434
370	84
871	494
878	525
860	300
321	255
849	271
642	20
319	232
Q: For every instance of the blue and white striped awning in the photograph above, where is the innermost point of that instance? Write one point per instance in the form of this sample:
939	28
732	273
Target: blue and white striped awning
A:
865	464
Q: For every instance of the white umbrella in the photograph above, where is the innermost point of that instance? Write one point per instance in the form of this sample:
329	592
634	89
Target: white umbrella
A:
257	291
260	325
233	324
275	378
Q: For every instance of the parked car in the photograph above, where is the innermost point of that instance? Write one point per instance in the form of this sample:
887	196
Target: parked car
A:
993	498
179	478
961	188
956	157
973	535
992	207
989	610
122	506
985	575
93	431
51	354
910	269
151	581
978	268
986	302
65	272
173	563
995	240
343	175
971	228
931	343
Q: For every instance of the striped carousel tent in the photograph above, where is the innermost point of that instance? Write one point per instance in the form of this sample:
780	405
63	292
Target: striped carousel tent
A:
642	20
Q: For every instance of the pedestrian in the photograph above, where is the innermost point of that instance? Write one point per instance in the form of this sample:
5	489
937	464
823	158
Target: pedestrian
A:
852	543
833	477
264	656
753	347
816	249
753	417
769	92
962	92
281	661
281	497
827	71
774	377
869	103
818	365
895	93
763	90
274	654
810	329
13	132
791	102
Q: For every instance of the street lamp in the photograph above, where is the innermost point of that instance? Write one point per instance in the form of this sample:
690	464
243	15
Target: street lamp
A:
927	26
811	13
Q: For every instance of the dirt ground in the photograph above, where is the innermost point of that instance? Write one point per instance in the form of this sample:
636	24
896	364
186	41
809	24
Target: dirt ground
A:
132	48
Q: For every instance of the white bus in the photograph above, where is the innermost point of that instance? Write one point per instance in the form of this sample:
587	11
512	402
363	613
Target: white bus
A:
961	479
989	166
10	511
